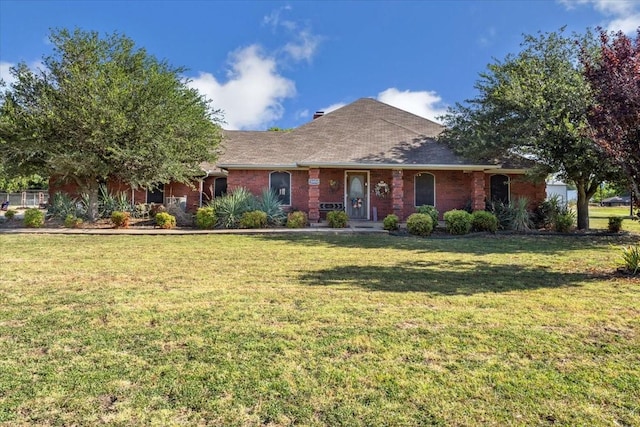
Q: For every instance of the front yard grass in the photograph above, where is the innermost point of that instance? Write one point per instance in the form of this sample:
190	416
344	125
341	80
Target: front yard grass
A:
317	330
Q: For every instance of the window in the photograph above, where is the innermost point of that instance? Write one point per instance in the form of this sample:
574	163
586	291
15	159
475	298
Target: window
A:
219	187
425	189
280	183
500	188
156	195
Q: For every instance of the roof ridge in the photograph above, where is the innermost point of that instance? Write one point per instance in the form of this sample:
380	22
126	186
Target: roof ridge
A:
403	127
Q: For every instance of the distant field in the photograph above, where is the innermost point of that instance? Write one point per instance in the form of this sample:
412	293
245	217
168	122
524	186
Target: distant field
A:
317	330
599	218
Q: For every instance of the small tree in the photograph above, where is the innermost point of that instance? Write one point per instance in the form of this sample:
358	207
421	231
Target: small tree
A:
101	109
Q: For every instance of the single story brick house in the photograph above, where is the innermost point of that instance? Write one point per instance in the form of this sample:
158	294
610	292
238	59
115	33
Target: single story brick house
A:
368	158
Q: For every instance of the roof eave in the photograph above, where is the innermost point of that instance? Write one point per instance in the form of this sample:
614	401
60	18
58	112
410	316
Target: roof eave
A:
398	166
258	166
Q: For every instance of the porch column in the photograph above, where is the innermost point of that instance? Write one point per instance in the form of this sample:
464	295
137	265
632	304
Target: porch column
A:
314	195
478	195
397	194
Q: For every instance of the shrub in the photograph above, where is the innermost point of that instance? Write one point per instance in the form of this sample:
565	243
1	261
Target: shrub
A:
564	221
155	209
420	224
546	213
503	213
72	221
253	219
458	221
33	218
183	219
297	219
484	221
230	207
391	222
62	205
165	220
206	218
270	204
337	219
520	215
615	224
120	219
10	214
111	202
431	211
631	258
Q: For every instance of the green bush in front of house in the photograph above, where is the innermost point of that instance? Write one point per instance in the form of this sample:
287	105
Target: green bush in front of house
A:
230	207
165	220
565	220
10	214
484	221
297	219
420	224
615	224
33	218
337	219
270	203
72	221
206	218
253	219
431	211
120	219
391	222
458	221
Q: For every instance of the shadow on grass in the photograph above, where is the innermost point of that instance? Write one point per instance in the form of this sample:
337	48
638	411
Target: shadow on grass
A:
445	278
477	244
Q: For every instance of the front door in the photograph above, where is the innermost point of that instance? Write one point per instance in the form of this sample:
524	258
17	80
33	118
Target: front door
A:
357	202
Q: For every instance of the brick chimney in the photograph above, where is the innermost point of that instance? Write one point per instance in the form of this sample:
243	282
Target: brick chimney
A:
318	114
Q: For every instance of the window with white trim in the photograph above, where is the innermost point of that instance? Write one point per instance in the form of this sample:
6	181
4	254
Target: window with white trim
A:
280	183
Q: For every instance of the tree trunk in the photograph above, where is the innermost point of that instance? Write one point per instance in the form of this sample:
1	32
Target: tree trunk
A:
91	188
92	209
582	206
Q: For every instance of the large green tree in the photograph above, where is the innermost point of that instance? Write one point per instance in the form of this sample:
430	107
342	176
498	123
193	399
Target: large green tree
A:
100	109
535	104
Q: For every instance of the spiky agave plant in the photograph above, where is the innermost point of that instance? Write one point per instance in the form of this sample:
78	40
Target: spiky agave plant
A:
270	204
521	217
230	207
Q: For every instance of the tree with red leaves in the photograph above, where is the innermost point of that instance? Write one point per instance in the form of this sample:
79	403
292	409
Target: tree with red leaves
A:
613	72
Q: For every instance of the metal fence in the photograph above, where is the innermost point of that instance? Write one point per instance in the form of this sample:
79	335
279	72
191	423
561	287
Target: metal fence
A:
25	199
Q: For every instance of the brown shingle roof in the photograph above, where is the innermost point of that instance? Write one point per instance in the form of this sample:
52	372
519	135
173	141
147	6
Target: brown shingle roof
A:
365	132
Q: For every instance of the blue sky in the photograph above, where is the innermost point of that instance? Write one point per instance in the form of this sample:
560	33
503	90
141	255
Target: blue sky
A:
275	63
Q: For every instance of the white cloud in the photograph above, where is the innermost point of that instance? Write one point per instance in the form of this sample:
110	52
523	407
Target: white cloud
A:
5	75
302	114
421	103
252	96
332	107
623	15
628	24
304	47
304	43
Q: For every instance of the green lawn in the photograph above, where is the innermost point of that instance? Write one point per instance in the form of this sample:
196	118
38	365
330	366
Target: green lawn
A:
317	330
599	218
